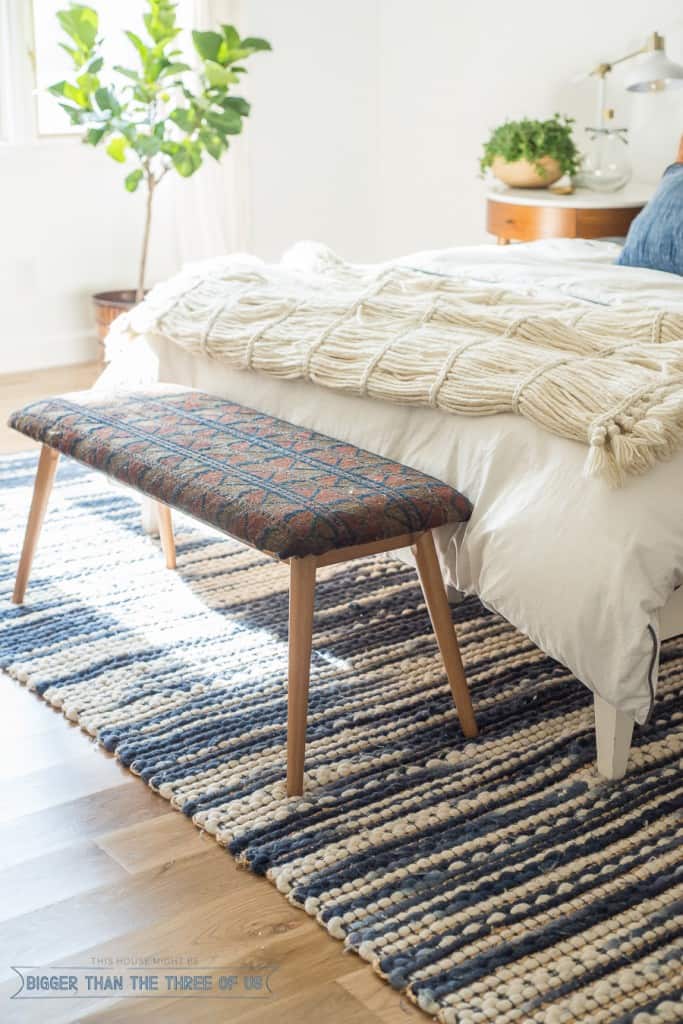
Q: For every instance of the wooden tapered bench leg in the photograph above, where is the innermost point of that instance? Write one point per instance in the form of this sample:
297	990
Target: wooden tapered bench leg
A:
440	613
166	534
47	466
301	601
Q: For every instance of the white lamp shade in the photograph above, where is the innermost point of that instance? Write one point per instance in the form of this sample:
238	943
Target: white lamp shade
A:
652	71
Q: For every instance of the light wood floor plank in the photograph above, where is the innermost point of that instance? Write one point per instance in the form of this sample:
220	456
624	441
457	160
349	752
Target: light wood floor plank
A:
25	714
84	818
47	748
152	843
45	879
17	389
387	1005
154	1011
322	1003
319	999
60	929
75	777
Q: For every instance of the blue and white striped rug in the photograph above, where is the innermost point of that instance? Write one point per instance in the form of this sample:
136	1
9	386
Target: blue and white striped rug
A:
495	880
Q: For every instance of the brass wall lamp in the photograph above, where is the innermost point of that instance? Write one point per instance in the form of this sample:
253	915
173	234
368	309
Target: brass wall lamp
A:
652	71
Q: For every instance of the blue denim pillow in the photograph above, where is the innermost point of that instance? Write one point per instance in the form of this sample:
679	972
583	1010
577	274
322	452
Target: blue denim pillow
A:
655	238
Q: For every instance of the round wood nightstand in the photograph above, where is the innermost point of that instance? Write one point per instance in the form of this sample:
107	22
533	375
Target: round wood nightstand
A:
526	214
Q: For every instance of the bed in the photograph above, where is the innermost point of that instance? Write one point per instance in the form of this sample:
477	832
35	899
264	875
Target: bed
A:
592	574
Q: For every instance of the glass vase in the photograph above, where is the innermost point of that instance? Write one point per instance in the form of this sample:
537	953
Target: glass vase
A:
605	166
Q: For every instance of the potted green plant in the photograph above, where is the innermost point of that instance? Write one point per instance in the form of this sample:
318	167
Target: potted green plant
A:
531	154
156	116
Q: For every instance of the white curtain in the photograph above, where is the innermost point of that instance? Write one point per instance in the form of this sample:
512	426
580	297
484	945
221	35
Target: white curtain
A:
210	211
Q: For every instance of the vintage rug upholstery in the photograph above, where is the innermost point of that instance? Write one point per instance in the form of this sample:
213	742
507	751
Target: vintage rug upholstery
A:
493	880
288	490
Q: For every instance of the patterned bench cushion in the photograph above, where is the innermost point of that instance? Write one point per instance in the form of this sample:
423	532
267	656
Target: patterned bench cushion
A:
276	486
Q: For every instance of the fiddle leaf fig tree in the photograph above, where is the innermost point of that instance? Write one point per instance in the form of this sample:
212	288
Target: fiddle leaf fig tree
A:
159	114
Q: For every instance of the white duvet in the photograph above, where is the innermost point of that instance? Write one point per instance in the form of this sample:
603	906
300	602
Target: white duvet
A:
583	570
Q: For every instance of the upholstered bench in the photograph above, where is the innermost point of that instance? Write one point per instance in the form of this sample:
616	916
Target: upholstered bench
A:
294	494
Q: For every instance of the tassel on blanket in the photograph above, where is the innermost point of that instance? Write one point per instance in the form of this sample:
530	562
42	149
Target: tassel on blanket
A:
632	443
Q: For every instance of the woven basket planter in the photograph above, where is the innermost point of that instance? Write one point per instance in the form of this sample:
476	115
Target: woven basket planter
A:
109	305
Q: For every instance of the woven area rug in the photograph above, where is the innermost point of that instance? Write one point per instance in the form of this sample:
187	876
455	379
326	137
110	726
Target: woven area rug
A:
493	880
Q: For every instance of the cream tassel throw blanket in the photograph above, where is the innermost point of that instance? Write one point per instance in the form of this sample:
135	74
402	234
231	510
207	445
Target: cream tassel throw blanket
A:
610	379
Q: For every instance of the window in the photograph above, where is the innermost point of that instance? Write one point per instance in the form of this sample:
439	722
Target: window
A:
15	72
52	64
31	59
4	76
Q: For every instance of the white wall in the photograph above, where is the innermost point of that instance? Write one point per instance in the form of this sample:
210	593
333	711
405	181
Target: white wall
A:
450	71
367	125
369	116
313	133
68	229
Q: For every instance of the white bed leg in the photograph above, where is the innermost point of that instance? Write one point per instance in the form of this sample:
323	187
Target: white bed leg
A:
613	731
150	520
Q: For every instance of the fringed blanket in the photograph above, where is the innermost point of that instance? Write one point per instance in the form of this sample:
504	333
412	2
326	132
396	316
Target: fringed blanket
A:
611	379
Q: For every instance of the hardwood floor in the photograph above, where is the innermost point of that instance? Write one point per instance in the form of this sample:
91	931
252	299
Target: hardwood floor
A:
16	389
96	867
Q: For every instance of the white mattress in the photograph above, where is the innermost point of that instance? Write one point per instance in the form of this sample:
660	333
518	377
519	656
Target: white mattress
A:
583	570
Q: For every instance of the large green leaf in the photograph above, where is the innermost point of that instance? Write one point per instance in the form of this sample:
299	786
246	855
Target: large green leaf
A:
236	103
94	136
228	121
228	56
214	143
132	180
143	51
218	76
76	114
207	44
146	145
175	67
231	36
255	43
133	75
185	118
126	128
160	21
145	95
153	69
76	55
117	148
70	92
80	23
187	158
107	101
87	83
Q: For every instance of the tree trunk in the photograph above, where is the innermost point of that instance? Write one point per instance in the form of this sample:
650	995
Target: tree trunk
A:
140	291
